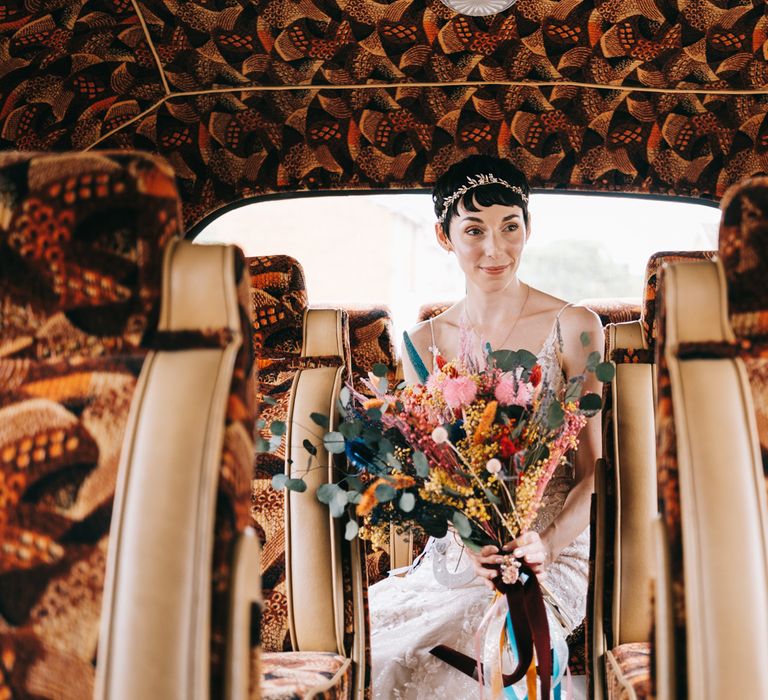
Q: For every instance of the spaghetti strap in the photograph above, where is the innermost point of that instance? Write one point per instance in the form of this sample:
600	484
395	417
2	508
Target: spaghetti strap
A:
433	348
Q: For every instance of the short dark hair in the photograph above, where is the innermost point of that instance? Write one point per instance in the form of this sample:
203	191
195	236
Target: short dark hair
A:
483	196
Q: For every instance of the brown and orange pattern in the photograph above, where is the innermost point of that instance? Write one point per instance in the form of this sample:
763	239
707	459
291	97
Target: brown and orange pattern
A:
81	244
632	680
371	342
649	315
593	95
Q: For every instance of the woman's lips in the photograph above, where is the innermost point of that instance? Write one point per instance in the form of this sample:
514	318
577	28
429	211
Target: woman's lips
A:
495	270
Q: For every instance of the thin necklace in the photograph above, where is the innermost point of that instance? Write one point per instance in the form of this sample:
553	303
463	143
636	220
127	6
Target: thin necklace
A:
512	328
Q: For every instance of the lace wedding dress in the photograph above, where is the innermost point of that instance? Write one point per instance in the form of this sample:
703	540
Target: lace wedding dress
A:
441	602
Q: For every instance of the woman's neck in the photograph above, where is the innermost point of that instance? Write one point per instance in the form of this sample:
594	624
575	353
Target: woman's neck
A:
493	309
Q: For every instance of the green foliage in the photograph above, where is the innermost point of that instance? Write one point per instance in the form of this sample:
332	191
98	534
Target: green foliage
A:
555	416
261	446
320	419
407	502
380	370
593	360
421	464
277	427
384	493
309	447
462	524
508	360
590	402
334	442
605	371
351	530
298	485
585	338
278	481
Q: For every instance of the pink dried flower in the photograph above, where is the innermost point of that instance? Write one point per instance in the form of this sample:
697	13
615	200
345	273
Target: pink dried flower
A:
459	391
506	394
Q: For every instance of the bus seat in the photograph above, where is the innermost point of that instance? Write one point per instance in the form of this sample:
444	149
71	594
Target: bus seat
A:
89	316
625	490
314	627
711	612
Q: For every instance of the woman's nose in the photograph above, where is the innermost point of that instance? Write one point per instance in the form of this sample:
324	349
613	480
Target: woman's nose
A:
492	245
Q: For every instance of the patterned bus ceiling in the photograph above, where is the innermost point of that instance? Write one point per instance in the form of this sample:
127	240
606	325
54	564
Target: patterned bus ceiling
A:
245	98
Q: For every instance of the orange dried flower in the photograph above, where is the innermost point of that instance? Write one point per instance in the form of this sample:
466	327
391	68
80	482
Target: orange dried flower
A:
368	499
486	422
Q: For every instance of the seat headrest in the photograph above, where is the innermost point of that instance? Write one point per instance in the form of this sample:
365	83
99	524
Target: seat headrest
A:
371	341
648	317
279	300
427	311
743	247
81	240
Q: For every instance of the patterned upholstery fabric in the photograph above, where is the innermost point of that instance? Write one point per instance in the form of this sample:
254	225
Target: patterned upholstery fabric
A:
371	342
81	242
743	249
613	310
191	81
305	674
744	252
628	672
648	316
279	298
427	311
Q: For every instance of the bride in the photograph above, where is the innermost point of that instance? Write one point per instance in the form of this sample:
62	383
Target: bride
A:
481	205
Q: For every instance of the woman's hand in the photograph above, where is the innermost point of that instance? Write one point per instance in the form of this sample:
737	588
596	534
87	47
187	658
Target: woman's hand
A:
528	546
532	550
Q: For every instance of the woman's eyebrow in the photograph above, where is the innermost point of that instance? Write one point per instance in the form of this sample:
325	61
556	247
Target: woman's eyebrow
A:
509	217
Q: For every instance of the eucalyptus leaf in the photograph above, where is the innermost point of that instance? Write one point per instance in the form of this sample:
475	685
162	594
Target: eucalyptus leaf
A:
269	400
593	360
472	546
586	339
345	396
274	442
383	385
326	492
605	371
261	424
261	446
394	462
590	402
354	497
278	481
309	447
401	385
573	390
334	442
354	483
491	496
380	369
462	524
555	416
351	429
374	414
527	359
339	503
351	530
421	464
407	502
298	485
277	427
384	493
320	419
505	360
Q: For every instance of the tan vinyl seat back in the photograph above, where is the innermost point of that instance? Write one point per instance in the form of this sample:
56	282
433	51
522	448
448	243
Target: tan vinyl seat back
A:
712	593
181	503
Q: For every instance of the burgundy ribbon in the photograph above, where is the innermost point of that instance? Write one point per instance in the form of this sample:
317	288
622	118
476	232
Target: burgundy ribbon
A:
528	615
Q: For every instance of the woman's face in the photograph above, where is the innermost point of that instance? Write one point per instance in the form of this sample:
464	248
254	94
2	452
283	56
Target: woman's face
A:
488	244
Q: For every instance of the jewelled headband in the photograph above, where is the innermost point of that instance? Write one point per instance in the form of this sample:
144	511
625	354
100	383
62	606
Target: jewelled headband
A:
478	181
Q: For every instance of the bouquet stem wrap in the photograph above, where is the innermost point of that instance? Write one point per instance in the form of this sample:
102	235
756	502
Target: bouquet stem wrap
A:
530	627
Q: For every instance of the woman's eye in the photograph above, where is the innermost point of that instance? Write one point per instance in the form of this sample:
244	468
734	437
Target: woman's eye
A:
512	228
473	231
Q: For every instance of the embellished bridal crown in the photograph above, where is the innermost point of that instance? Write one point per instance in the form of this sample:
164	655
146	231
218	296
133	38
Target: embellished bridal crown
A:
478	181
